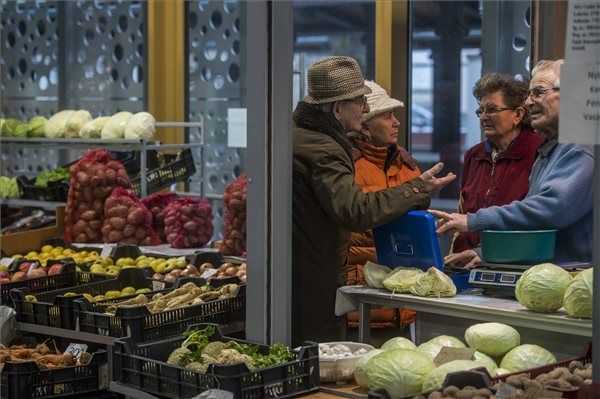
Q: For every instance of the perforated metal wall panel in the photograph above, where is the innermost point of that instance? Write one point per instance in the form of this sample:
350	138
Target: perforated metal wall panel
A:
216	52
98	64
105	56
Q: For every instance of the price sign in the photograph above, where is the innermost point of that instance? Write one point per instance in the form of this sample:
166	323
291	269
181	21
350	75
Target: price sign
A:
208	273
76	350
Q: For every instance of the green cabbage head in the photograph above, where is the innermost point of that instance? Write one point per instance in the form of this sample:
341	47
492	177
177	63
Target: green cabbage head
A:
493	339
400	372
433	283
433	347
398	343
542	288
360	372
435	379
375	274
579	295
526	357
402	279
489	363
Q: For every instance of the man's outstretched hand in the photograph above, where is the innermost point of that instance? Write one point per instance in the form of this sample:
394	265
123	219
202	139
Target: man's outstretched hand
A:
450	222
433	183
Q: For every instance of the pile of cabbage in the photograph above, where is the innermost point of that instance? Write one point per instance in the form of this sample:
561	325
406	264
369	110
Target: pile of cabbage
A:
404	369
546	288
408	280
9	188
80	124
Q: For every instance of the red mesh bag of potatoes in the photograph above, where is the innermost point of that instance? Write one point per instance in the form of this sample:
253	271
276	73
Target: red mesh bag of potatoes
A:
234	224
188	222
127	220
157	203
91	181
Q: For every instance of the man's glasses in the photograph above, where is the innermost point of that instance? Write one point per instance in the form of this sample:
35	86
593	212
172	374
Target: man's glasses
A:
490	110
539	91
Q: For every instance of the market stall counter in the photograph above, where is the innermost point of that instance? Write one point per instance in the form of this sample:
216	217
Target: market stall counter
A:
561	334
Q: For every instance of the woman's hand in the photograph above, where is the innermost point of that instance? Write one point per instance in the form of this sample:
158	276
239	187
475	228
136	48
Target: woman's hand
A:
450	222
467	259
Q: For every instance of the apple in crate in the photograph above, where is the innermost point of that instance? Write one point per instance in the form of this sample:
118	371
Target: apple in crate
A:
55	269
36	272
25	266
4	277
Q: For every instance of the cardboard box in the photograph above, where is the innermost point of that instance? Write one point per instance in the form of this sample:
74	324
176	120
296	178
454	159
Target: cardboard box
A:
32	240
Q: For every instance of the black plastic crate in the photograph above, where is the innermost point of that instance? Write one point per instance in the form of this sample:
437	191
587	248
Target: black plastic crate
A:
131	160
55	191
68	278
28	381
178	168
144	367
54	309
141	325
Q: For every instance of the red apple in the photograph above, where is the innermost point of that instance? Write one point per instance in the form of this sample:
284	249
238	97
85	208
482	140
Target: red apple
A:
55	269
5	275
24	267
4	280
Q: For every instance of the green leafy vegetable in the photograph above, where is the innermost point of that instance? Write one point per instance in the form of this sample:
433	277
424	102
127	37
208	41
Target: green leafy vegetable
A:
50	176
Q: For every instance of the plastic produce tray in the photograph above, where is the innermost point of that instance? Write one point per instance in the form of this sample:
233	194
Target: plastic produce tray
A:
68	278
532	373
55	191
27	381
53	309
146	369
142	326
177	168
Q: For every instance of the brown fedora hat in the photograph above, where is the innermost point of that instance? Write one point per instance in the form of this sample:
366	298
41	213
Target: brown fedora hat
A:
335	79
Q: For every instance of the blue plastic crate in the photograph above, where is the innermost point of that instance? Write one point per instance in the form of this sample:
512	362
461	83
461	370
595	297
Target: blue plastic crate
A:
409	241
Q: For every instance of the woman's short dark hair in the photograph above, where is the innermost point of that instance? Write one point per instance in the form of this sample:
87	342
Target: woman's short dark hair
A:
514	91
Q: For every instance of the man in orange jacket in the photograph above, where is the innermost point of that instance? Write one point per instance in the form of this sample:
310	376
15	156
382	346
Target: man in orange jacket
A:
380	163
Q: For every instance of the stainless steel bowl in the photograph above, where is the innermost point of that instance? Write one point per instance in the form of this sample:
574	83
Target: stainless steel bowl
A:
341	370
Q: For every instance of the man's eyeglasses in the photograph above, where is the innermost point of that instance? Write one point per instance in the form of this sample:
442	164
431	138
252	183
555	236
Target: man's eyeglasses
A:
539	91
490	111
362	100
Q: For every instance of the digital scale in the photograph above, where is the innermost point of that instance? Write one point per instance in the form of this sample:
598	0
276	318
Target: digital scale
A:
497	279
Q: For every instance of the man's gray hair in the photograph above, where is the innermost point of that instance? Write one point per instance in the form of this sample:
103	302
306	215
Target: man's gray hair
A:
552	65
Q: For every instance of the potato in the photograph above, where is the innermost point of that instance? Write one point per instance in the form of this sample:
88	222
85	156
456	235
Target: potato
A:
98	206
118	211
190	226
95	224
128	230
83	178
140	233
79	227
88	215
136	217
88	194
81	238
114	236
117	223
129	241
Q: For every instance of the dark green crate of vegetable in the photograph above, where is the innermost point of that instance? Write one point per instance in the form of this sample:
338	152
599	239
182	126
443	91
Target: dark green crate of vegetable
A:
51	176
204	359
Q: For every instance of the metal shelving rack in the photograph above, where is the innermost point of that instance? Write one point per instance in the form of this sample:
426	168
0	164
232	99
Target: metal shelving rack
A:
143	146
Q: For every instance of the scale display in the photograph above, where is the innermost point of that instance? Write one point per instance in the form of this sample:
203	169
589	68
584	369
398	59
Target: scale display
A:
495	278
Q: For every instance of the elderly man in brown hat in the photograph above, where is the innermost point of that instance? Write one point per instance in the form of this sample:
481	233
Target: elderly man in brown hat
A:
327	205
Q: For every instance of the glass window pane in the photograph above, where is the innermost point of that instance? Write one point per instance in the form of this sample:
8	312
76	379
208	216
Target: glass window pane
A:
332	27
446	57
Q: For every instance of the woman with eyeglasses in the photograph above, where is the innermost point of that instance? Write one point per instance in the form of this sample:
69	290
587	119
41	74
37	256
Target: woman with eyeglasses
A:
496	171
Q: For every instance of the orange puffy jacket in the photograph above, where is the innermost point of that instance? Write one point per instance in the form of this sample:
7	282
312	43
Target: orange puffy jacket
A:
377	168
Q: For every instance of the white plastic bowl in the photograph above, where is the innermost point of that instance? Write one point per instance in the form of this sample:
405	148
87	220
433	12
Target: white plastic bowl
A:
341	370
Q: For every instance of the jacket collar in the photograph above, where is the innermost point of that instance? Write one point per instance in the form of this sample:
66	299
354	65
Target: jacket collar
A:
516	149
310	117
547	147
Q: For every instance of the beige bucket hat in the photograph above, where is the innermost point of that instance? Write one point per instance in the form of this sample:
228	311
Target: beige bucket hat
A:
379	101
335	79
